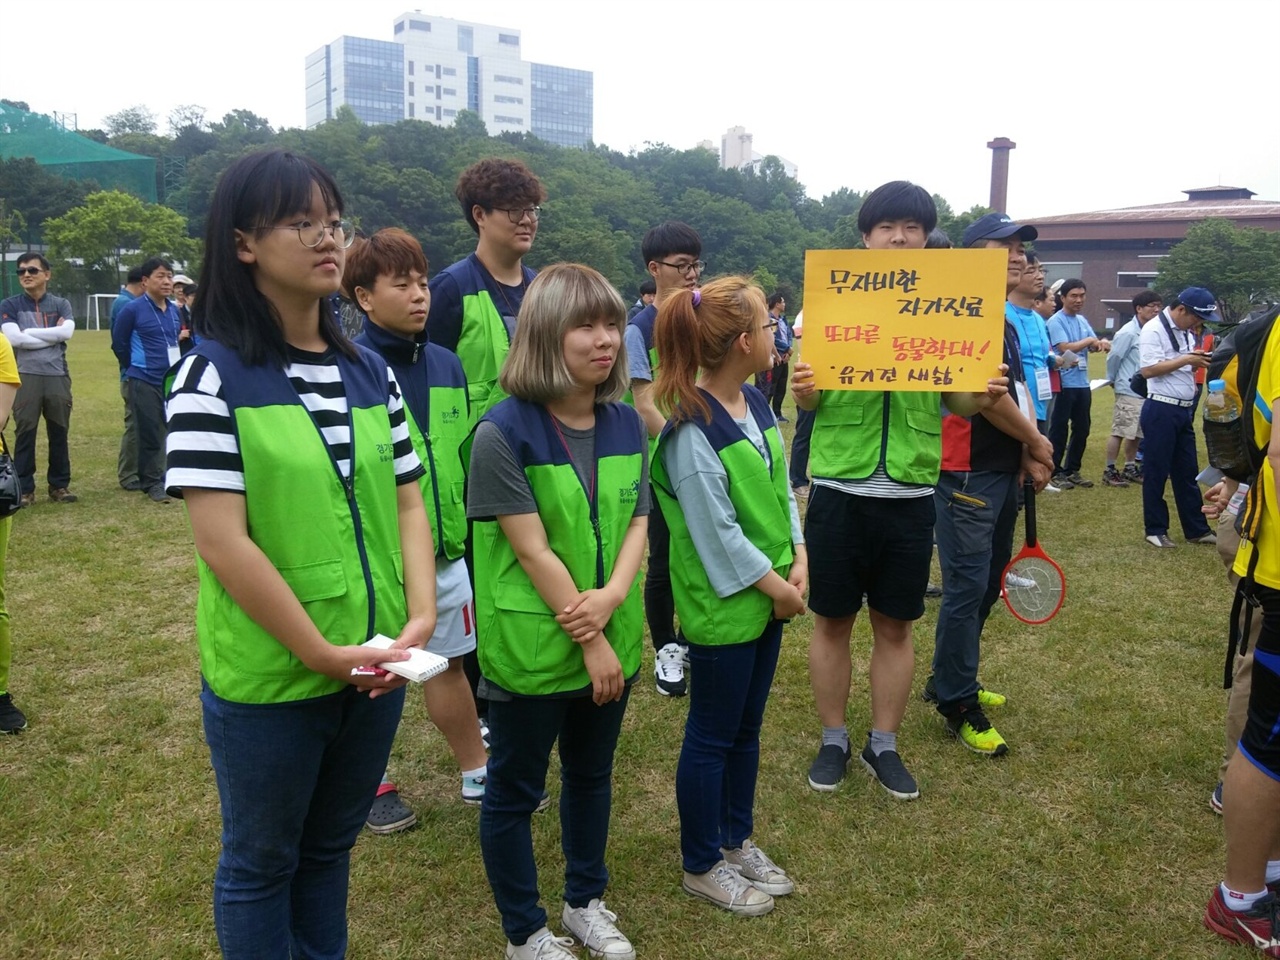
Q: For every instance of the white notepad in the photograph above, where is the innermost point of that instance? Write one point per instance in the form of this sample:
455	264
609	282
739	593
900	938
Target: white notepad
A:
421	665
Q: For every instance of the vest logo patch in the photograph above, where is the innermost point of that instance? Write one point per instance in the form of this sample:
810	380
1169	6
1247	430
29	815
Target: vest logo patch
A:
451	416
386	452
629	495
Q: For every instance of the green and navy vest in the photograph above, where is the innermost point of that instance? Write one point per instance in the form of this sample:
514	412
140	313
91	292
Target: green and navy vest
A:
484	341
854	431
521	646
434	389
644	322
335	541
759	492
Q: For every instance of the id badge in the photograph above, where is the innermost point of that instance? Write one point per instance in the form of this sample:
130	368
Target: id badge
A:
174	355
1044	389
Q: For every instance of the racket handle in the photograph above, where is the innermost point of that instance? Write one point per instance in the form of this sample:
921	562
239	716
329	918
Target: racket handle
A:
1029	501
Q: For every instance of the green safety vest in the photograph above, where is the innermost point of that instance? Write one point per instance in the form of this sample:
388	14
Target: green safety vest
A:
335	542
854	431
521	646
759	492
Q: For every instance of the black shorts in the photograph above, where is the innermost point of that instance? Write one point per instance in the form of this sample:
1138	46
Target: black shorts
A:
1260	742
868	545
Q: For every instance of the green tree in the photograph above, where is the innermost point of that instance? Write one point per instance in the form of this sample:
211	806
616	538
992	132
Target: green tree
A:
12	226
135	119
1241	265
112	229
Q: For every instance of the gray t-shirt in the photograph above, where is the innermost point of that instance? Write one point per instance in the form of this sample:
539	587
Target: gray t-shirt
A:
497	486
701	484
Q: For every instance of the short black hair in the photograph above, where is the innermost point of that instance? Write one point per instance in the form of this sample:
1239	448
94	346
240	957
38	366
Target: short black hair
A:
670	238
152	264
775	298
134	275
1146	298
897	200
32	255
937	240
1075	283
650	287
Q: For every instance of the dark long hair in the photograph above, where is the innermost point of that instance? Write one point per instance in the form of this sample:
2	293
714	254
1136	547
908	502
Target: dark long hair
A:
254	193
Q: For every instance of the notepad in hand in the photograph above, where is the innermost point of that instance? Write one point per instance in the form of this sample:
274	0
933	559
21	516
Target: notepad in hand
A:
421	665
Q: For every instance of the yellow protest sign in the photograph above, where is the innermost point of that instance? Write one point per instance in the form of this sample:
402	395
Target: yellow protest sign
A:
904	319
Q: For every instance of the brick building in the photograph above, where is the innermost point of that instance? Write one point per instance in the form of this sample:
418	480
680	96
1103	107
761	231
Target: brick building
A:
1117	252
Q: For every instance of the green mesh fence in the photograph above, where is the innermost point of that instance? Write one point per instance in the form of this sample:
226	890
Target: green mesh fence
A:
69	155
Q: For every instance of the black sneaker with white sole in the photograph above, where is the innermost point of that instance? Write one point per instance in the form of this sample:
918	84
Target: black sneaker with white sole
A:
890	772
828	767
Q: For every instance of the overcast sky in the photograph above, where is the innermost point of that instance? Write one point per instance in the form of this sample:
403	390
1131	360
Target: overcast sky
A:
1111	102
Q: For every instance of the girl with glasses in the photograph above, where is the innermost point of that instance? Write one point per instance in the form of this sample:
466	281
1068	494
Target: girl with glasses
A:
290	447
738	572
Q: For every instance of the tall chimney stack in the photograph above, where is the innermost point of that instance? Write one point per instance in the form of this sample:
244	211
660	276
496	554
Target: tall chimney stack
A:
1000	148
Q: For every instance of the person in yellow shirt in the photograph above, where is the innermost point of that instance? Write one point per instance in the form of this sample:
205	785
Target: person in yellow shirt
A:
1244	908
11	718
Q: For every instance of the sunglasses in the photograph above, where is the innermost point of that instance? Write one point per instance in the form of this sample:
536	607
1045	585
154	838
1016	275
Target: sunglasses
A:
29	271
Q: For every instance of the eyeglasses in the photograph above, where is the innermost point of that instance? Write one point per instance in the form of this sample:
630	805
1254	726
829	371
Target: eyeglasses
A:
311	235
771	325
694	266
29	271
517	214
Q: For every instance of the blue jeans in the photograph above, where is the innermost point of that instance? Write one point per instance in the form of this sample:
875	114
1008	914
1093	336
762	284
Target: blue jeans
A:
295	781
974	532
720	758
800	447
659	602
1169	436
521	733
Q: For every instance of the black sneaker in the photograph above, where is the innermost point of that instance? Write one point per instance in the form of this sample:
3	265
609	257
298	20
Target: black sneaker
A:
12	719
1061	481
828	767
1111	477
1132	474
1079	481
890	772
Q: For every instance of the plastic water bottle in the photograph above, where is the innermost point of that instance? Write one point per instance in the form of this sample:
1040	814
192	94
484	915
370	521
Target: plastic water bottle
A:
1223	436
1218	406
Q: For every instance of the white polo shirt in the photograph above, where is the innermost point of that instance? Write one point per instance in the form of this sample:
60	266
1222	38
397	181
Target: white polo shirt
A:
1154	347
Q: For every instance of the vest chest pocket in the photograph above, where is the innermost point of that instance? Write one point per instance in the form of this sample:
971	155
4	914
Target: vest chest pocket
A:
532	643
925	422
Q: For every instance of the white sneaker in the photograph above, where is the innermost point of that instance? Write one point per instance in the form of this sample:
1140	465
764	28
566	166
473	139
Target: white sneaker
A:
1160	540
543	945
668	671
1017	582
758	870
724	886
1050	488
597	930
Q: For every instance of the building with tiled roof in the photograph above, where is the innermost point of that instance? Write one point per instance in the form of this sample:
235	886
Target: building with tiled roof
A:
1117	252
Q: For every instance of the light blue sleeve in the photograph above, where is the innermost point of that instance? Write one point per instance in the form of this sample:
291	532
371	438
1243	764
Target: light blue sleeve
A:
733	563
637	356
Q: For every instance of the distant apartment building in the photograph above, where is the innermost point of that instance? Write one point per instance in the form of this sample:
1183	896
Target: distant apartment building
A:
736	152
434	67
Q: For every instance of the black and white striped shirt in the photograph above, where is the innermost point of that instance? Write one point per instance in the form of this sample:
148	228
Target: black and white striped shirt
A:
202	448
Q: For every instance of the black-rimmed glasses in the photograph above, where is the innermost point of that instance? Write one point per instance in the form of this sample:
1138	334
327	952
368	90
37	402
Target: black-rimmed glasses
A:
311	235
515	215
29	271
694	266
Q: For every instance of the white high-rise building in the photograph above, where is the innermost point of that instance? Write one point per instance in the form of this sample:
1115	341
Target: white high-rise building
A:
736	152
435	67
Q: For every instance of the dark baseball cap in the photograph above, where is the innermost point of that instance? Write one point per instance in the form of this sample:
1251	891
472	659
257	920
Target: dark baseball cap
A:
1201	302
996	226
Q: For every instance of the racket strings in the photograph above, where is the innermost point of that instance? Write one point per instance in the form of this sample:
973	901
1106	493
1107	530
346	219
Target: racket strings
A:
1033	588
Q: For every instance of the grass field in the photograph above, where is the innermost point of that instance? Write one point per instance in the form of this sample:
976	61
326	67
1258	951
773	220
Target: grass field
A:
1092	839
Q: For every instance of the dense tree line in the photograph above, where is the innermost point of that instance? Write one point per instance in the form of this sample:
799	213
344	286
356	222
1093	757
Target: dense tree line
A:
600	201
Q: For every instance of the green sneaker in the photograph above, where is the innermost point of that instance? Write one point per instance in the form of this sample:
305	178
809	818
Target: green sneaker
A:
986	698
974	730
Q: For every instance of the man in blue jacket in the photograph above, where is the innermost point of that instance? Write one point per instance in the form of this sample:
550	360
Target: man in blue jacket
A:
144	338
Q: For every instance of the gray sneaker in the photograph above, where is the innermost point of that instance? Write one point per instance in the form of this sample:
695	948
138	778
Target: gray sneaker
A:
543	945
596	929
725	887
890	772
755	867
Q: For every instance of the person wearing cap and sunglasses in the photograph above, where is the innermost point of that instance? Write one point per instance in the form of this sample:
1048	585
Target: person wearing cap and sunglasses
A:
1169	358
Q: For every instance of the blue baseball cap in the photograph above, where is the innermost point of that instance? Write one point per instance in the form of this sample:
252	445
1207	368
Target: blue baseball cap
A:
1201	302
996	226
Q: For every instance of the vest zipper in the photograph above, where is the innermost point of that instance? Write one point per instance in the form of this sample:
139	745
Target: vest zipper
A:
431	465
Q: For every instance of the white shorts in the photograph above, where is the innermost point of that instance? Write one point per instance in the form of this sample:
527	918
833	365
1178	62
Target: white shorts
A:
455	610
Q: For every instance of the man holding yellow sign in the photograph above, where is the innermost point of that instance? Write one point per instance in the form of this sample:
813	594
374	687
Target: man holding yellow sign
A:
889	329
